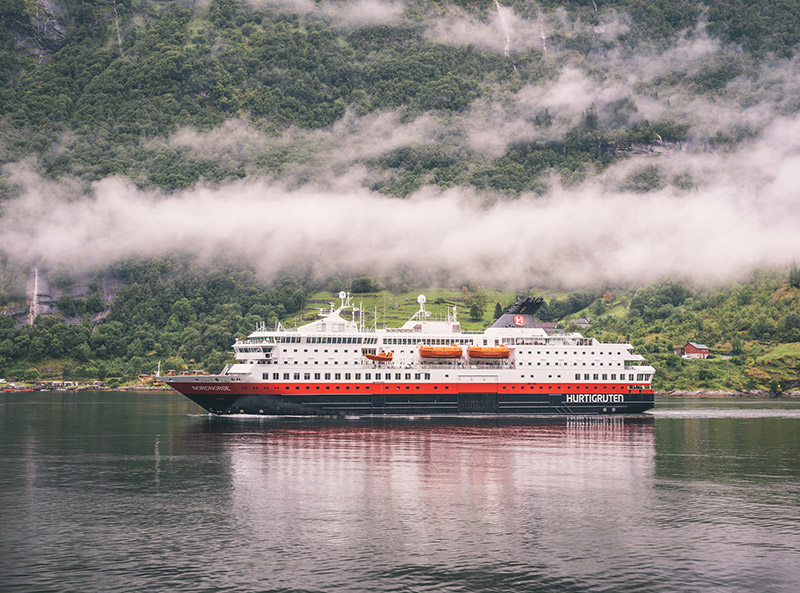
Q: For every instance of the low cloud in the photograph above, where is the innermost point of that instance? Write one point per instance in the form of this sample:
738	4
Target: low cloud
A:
342	14
743	216
349	140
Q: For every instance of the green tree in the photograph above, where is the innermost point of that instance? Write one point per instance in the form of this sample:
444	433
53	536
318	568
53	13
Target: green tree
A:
362	284
66	304
476	311
775	387
794	276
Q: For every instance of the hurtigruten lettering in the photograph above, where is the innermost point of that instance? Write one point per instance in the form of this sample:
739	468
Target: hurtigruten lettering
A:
595	398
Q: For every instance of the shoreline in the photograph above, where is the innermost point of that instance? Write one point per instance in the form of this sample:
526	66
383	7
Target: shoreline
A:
677	394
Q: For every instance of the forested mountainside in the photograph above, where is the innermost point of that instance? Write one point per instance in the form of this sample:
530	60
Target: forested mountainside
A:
94	88
179	316
185	152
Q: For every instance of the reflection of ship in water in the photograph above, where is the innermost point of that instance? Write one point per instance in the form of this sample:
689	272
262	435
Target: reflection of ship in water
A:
353	482
319	428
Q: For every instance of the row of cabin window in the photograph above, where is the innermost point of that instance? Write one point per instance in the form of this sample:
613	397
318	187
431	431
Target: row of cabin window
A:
426	341
307	362
347	376
543	342
596	376
573	352
566	364
324	340
339	340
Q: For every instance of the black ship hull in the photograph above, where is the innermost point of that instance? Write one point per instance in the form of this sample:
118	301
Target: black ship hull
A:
421	404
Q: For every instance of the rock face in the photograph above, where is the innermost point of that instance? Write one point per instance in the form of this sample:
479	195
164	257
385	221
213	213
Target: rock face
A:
39	29
43	296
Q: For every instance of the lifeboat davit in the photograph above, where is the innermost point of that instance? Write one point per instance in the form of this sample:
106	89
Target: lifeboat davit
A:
492	352
451	351
380	356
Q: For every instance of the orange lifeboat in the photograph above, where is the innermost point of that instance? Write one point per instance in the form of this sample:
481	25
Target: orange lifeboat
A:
493	352
380	356
451	351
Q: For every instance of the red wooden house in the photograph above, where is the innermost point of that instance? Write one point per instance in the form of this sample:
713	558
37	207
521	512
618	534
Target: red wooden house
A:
695	350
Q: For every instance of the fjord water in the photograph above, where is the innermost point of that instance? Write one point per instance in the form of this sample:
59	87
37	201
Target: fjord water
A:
141	492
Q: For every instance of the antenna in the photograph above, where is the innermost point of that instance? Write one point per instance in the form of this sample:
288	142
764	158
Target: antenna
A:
422	312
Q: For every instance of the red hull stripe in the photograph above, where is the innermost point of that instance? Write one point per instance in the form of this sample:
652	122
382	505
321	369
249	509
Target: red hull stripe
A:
401	387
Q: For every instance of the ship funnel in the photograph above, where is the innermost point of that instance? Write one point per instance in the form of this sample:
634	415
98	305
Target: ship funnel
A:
520	314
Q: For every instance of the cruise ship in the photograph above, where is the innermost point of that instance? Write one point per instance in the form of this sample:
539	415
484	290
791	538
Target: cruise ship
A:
336	365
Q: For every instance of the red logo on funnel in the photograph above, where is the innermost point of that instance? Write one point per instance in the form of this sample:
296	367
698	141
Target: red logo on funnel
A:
519	320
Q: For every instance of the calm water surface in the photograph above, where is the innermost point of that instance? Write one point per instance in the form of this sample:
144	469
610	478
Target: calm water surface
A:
140	492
